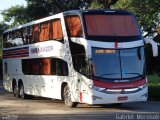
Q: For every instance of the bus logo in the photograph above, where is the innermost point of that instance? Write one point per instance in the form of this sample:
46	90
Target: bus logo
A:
41	49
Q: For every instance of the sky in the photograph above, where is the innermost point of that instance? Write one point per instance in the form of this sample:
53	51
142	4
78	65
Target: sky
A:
5	4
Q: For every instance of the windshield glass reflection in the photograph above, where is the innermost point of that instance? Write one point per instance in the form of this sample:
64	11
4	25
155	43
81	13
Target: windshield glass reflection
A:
118	64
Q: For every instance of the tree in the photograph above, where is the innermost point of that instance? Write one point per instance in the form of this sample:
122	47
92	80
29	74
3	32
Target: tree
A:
148	15
101	4
3	27
15	15
37	9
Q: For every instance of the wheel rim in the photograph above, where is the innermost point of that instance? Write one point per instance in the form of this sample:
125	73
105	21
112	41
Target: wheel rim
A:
67	96
21	92
15	91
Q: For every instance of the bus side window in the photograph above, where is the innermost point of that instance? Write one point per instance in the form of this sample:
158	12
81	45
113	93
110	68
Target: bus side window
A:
30	34
14	38
45	66
44	31
53	66
63	67
59	67
17	39
35	33
25	36
56	30
35	66
73	24
26	66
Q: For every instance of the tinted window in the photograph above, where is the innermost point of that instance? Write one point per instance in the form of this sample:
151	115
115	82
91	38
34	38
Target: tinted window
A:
35	33
59	67
73	24
49	30
44	31
45	66
14	38
118	63
35	66
56	30
111	25
26	66
27	35
78	57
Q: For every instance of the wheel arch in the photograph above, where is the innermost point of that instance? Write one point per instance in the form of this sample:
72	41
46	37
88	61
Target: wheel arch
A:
20	82
14	82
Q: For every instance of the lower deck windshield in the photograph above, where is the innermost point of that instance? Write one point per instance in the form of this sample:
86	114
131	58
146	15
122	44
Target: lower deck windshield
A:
118	64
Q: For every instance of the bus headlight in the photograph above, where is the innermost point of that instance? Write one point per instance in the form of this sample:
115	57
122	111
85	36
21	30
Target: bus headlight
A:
143	86
96	88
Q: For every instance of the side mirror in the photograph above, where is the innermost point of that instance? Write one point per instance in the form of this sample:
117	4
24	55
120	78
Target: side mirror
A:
154	46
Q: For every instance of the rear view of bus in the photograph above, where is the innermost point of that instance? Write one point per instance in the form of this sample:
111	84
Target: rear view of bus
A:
112	66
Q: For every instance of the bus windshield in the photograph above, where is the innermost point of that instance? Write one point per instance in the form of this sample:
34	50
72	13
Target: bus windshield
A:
118	64
111	25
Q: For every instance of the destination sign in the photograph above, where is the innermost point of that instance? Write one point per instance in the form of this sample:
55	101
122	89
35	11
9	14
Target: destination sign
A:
102	51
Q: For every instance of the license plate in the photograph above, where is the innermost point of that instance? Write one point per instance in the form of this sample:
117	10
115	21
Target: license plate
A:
122	98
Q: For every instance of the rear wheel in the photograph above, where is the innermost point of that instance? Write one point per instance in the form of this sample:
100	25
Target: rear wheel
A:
21	92
15	91
67	97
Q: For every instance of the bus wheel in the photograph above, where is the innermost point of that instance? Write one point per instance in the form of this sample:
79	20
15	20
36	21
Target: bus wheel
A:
67	97
15	91
21	92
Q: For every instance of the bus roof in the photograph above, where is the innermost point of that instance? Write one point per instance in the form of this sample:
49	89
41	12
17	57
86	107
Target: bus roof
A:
71	12
94	11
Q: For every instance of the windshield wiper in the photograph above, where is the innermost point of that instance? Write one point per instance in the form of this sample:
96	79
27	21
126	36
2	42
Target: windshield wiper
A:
138	75
101	78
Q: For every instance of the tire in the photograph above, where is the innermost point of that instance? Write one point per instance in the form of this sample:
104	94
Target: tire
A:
67	97
15	91
22	95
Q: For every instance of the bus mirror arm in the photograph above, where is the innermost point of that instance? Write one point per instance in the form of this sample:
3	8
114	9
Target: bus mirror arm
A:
154	46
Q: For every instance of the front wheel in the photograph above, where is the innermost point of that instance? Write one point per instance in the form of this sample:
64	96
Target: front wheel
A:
67	97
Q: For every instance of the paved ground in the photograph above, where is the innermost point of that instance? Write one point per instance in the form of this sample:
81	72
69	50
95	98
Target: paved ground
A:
12	108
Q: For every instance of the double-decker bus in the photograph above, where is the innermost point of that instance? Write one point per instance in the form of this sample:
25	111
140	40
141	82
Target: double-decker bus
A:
79	56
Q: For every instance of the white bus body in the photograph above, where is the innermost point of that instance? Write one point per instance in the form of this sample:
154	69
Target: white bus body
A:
78	66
